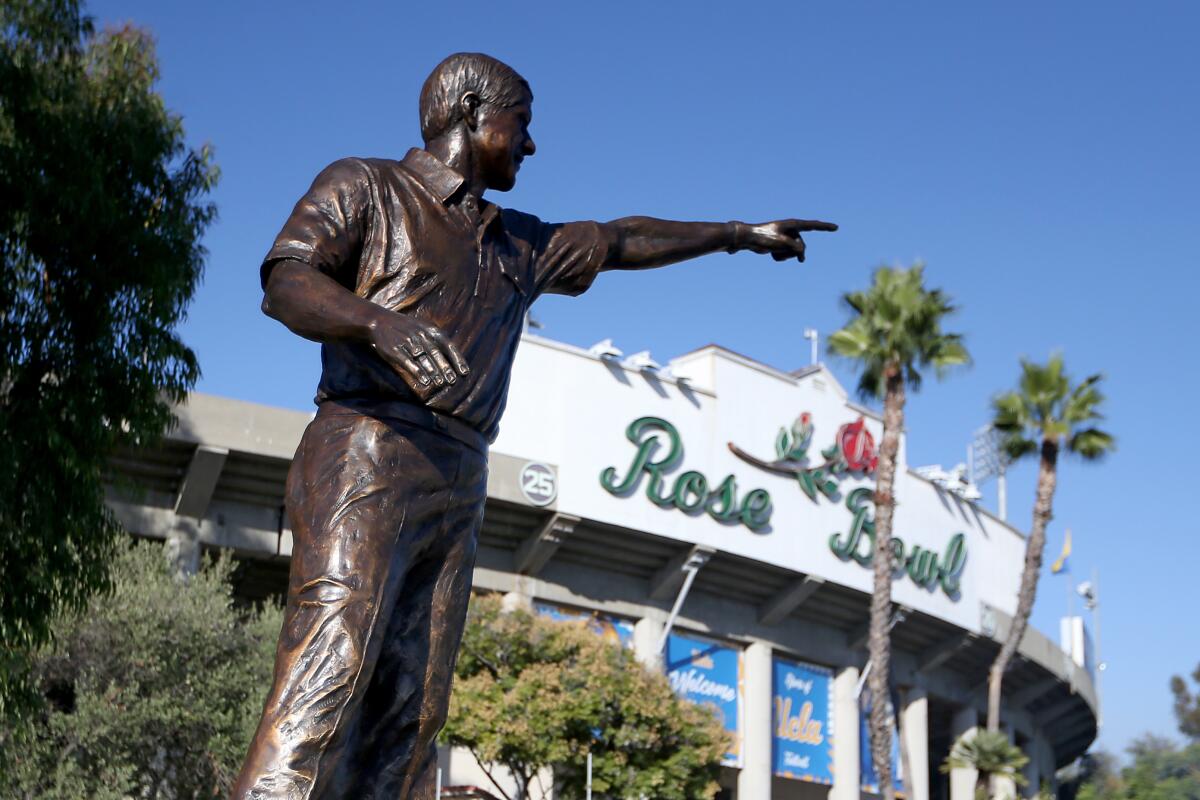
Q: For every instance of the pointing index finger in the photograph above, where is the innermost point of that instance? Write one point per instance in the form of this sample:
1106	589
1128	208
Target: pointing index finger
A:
816	225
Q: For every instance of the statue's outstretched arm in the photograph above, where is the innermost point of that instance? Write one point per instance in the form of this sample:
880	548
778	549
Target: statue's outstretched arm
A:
645	242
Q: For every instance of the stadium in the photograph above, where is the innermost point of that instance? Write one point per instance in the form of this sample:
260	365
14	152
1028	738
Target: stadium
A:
714	514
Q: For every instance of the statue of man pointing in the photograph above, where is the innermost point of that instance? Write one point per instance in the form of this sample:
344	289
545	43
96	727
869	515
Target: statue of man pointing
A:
417	289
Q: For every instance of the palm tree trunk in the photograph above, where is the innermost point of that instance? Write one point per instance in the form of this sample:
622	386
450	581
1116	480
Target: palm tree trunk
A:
1042	512
879	643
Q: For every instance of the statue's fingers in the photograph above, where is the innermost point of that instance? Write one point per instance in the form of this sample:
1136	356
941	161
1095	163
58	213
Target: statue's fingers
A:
452	352
415	346
443	365
427	365
460	363
411	371
414	358
798	248
815	225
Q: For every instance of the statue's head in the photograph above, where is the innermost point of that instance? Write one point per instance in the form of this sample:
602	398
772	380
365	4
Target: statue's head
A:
487	102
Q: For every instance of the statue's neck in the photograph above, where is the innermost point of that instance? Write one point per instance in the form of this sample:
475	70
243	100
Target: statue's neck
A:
454	150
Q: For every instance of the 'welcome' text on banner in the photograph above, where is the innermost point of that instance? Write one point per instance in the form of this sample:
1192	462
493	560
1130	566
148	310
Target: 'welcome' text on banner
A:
709	673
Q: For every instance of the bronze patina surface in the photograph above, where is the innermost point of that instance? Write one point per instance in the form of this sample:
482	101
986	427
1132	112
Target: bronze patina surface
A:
417	288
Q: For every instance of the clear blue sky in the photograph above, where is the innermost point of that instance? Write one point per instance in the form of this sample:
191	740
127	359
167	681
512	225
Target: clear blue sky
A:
1041	158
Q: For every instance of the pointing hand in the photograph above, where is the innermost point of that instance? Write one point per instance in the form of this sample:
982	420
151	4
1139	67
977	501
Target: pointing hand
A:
780	238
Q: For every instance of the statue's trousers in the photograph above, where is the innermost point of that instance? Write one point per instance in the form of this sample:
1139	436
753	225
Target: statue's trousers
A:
384	515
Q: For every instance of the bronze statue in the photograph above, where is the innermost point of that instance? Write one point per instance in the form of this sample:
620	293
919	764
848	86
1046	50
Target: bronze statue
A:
417	288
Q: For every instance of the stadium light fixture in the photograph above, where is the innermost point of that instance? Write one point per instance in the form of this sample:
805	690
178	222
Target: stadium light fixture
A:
605	349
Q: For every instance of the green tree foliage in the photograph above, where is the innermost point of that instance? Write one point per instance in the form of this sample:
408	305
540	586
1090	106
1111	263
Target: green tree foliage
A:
1100	775
1044	416
894	332
1159	771
153	692
992	755
1187	705
1047	406
99	247
531	693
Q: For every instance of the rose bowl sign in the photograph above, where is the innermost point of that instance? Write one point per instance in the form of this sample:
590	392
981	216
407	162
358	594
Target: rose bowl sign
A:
659	452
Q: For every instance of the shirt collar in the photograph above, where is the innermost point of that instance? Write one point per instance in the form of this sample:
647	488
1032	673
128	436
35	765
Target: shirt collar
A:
439	178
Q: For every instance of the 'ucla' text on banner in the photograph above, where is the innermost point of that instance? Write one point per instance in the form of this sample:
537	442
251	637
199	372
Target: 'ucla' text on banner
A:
802	742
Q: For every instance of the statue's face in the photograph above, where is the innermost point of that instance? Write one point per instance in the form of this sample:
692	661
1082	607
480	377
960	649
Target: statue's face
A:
502	141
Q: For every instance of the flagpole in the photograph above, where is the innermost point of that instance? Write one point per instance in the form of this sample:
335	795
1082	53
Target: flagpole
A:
1070	620
1099	654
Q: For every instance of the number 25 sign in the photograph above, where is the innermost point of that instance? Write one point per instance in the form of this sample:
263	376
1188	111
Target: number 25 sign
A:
538	483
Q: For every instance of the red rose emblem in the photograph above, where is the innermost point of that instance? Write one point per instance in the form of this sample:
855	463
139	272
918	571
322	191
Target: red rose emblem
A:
857	446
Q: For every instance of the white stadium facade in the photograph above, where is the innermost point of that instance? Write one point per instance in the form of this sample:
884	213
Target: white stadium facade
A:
714	514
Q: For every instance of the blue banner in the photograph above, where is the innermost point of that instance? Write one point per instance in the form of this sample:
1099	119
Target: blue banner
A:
612	629
801	746
709	673
870	779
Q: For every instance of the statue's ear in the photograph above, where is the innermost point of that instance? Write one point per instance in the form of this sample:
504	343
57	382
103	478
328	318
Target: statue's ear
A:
468	106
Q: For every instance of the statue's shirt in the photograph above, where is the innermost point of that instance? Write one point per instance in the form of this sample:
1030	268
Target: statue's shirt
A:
407	236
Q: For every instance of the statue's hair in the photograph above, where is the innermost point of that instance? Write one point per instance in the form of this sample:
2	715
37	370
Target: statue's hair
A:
494	81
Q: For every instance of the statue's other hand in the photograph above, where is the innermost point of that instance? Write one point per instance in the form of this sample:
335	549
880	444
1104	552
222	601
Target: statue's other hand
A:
781	238
421	354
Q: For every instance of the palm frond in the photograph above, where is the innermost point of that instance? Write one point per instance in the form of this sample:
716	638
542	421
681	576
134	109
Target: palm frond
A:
897	324
948	352
871	382
1010	413
989	752
1084	402
1046	406
1016	447
850	342
1091	444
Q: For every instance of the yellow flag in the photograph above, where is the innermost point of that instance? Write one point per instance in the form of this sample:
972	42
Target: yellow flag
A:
1060	564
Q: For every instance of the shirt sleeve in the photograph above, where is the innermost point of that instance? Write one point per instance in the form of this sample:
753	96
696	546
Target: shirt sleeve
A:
568	255
325	229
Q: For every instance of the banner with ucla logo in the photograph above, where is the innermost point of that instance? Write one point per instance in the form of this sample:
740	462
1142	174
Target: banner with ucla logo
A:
709	673
611	629
801	744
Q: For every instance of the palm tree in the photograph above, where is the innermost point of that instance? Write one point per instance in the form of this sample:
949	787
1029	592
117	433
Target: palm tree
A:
895	328
1044	415
991	754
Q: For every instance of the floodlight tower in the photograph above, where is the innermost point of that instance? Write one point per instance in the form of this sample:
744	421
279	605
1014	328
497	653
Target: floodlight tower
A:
986	460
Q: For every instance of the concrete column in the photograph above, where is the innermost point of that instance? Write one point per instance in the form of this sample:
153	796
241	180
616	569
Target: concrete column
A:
962	780
1045	757
915	719
1033	770
445	756
846	777
1004	787
754	780
646	633
183	547
521	597
191	506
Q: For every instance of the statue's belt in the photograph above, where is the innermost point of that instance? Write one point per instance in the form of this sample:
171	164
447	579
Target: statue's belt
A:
414	415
